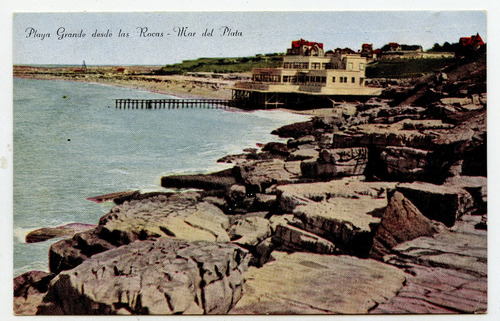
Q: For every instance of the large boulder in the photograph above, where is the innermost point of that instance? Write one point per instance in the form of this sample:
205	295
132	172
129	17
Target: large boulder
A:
337	162
437	202
402	221
295	130
348	223
68	253
342	212
250	231
260	175
404	163
165	276
306	283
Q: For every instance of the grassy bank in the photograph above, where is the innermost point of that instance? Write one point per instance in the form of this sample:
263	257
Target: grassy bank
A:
223	65
406	68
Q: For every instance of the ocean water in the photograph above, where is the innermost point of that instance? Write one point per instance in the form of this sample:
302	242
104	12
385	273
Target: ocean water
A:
70	143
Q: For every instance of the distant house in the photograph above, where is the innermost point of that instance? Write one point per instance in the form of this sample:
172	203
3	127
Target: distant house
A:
305	48
472	42
394	46
345	51
394	50
367	50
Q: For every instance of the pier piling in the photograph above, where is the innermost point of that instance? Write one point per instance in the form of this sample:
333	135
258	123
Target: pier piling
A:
172	103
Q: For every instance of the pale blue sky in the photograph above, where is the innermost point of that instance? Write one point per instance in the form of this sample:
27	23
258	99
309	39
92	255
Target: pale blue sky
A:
262	32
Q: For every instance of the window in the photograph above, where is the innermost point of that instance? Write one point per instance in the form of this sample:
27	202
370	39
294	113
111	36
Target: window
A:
353	79
350	66
333	79
361	66
315	65
323	79
361	80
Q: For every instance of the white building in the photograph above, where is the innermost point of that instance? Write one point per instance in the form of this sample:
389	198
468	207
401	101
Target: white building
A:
307	75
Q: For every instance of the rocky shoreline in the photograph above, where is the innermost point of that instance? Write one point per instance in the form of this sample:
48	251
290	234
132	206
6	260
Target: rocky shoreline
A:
378	207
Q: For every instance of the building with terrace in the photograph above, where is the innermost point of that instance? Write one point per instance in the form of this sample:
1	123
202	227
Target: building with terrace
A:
308	78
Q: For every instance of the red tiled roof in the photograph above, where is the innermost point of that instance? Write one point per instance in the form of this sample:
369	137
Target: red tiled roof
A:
471	41
302	42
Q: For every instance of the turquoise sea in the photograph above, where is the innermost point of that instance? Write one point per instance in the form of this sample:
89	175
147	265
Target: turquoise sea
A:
70	143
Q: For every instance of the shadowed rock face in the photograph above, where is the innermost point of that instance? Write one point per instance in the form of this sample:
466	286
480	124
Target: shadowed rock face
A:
306	283
29	290
441	203
164	276
402	221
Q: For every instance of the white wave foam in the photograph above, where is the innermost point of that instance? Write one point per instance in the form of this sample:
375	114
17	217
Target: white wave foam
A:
281	115
21	232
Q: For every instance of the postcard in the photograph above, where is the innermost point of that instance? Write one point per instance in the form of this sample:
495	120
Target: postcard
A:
250	163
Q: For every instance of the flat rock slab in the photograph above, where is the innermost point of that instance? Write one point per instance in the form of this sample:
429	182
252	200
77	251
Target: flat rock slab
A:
47	233
290	238
305	283
183	218
164	276
213	181
438	291
451	250
290	196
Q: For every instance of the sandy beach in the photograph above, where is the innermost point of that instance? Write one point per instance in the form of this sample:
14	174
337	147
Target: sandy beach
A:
138	77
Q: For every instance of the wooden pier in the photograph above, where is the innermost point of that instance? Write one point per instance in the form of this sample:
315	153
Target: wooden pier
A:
172	103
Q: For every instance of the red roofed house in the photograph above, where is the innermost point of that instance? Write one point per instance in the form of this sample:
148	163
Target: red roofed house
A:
393	46
472	42
305	48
